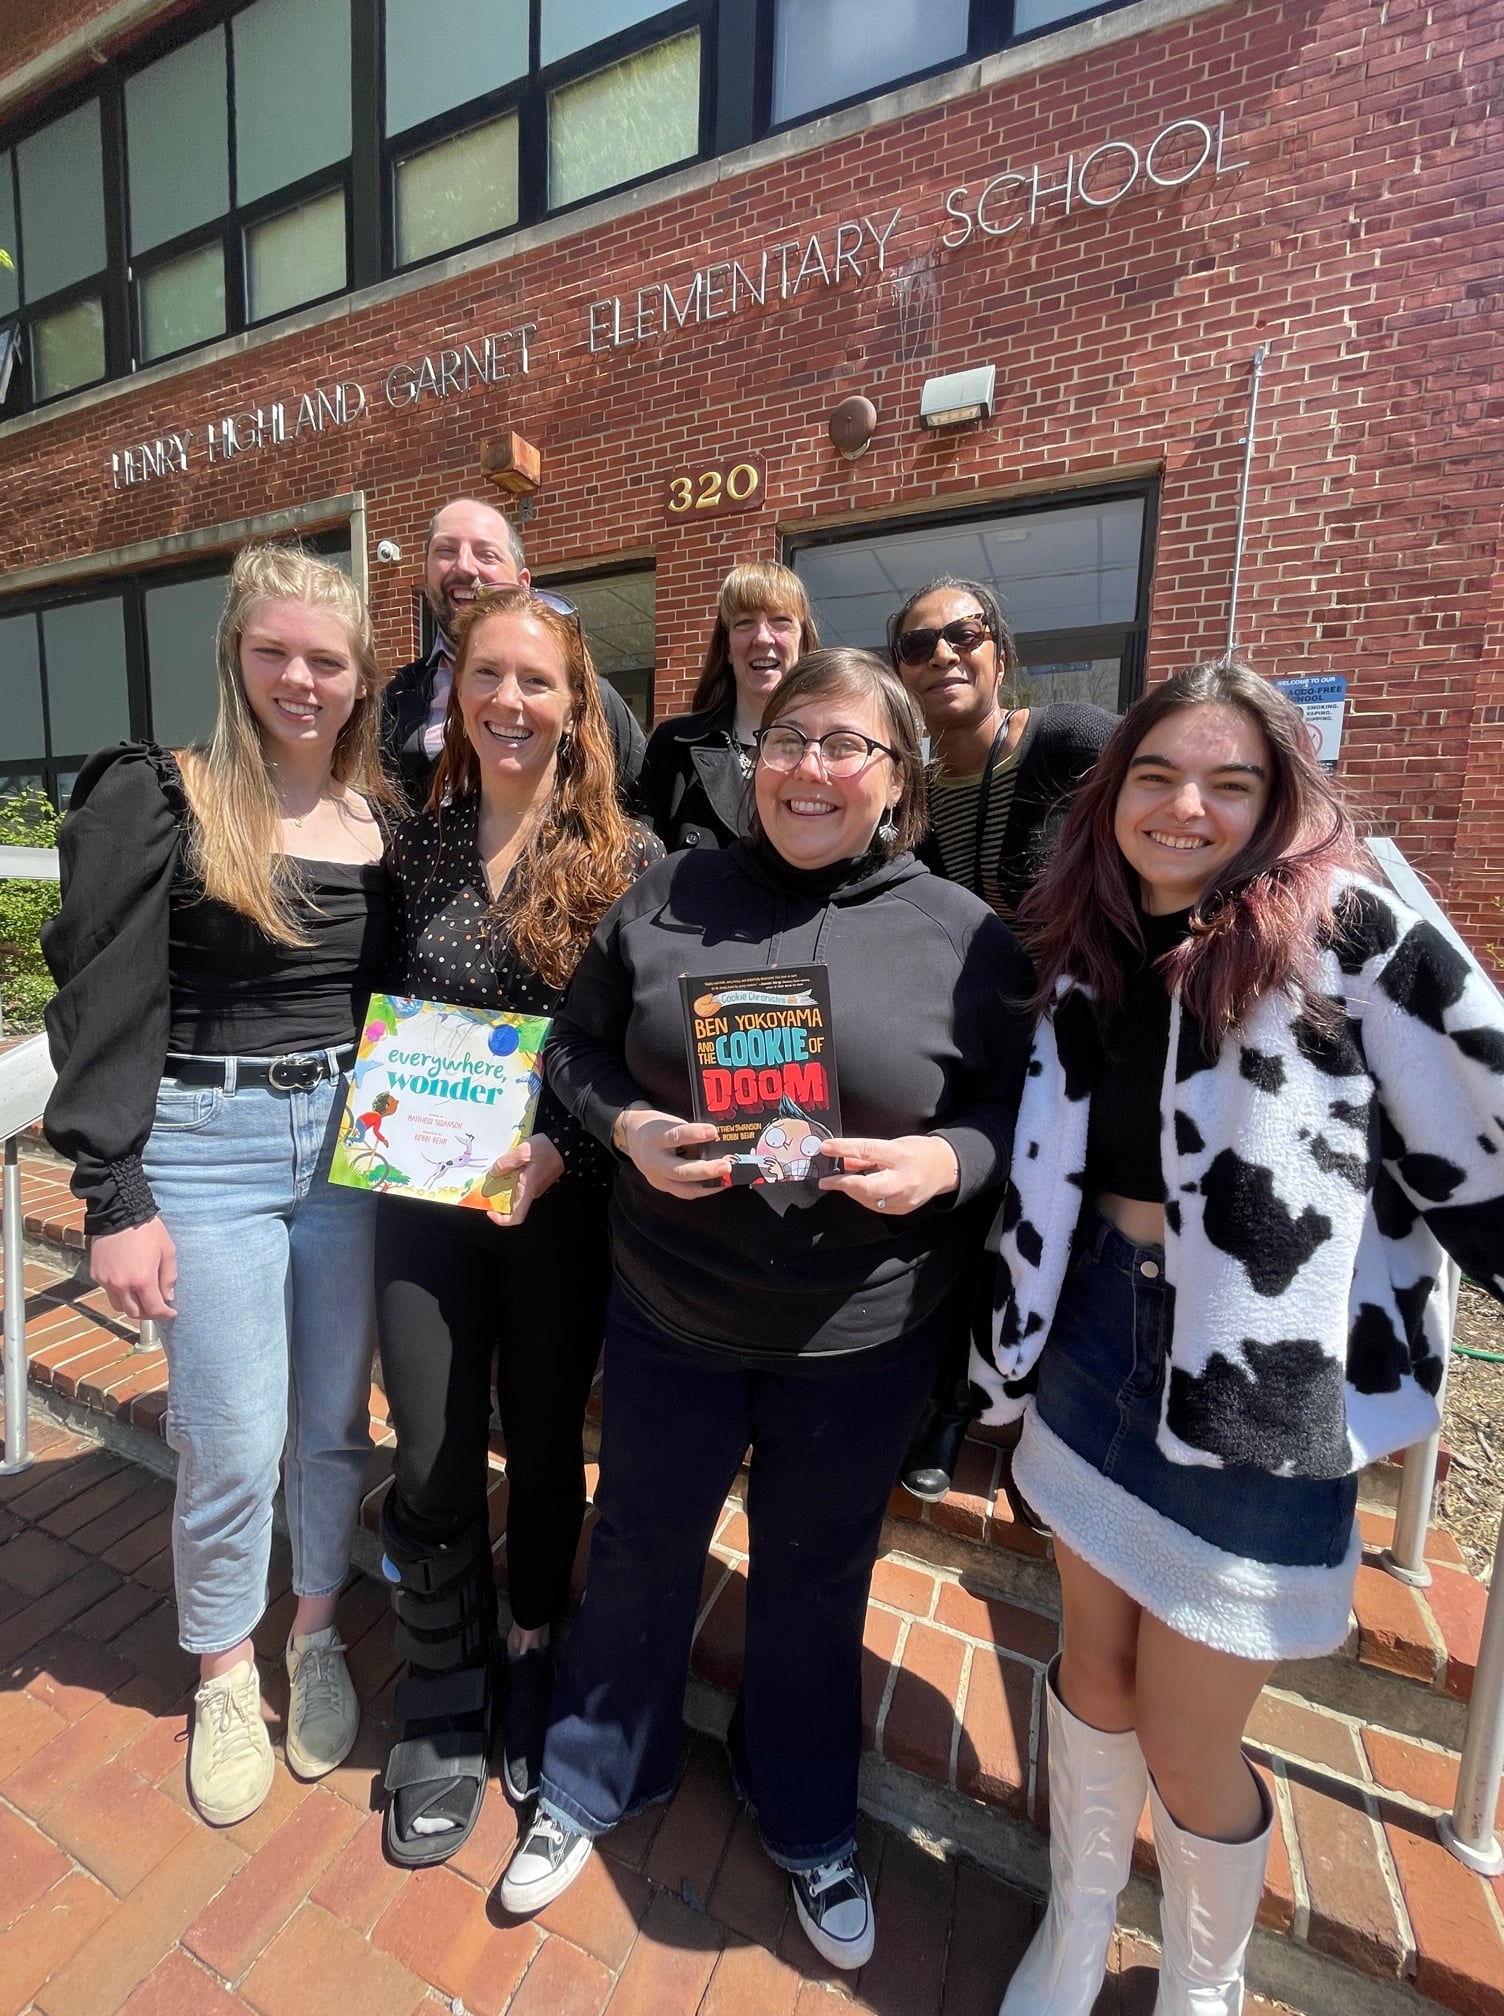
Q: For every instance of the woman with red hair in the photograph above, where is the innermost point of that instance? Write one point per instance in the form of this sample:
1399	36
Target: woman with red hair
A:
1263	1098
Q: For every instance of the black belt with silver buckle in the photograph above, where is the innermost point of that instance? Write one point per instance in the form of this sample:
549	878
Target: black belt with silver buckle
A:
297	1072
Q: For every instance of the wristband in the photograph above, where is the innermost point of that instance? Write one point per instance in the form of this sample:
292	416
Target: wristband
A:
619	1132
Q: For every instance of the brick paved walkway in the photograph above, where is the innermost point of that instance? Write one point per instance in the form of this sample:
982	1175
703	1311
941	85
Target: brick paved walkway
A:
114	1898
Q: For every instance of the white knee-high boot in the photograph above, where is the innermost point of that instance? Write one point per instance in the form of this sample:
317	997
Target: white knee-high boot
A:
1097	1784
1211	1898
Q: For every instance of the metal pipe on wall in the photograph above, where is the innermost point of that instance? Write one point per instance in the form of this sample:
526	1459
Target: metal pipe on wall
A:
1237	552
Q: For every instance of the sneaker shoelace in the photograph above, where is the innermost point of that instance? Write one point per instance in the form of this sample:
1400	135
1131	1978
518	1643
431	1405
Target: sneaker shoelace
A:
231	1727
317	1688
829	1875
547	1824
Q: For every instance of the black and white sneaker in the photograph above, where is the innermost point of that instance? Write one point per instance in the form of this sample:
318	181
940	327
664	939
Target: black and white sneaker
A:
549	1857
835	1909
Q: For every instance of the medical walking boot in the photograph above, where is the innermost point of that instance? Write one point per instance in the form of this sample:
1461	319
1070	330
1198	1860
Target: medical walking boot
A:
445	1599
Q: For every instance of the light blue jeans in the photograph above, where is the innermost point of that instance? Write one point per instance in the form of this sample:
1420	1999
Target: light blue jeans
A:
270	1348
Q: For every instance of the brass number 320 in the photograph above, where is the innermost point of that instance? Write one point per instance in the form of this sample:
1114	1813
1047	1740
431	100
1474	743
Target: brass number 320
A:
715	489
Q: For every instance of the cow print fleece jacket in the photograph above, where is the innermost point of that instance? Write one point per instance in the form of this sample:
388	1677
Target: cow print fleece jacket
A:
1312	1183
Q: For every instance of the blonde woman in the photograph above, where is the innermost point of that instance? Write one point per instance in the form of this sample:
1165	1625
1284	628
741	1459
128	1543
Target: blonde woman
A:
693	786
225	915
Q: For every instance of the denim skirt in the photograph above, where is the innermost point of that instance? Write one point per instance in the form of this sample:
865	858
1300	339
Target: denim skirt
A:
1254	1564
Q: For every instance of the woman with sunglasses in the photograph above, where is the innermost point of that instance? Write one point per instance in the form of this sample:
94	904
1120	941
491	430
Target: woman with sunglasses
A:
500	883
802	1319
693	786
1001	777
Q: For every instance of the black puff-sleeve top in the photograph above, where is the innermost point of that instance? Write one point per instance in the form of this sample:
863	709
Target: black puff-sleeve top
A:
450	947
147	966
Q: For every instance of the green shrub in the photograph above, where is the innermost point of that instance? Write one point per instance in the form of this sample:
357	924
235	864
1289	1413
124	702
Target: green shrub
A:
26	820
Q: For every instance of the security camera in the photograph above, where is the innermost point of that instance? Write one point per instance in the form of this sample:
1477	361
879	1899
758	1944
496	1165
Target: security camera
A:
388	549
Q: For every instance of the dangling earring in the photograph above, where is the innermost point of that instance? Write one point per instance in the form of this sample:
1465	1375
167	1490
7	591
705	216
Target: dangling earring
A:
565	749
888	831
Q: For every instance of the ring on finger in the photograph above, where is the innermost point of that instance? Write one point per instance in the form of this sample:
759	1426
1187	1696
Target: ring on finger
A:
882	1203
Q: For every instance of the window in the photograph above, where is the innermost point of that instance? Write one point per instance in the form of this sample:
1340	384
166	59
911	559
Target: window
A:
457	190
829	50
571	25
1072	577
1031	14
52	208
617	613
178	158
623	122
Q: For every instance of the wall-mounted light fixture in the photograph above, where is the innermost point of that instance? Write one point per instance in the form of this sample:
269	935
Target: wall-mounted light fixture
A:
851	426
513	465
962	397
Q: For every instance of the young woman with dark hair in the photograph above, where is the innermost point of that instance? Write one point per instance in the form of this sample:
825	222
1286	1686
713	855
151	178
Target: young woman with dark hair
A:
805	1326
1001	776
1278	1093
499	883
693	786
224	920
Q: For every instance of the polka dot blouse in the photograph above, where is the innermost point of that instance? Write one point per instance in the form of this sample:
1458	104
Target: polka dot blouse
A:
451	947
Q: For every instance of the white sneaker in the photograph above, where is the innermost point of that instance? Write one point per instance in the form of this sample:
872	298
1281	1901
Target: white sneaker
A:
835	1908
230	1762
323	1713
547	1861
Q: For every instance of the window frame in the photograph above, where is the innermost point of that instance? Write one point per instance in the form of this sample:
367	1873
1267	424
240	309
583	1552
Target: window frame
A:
1127	640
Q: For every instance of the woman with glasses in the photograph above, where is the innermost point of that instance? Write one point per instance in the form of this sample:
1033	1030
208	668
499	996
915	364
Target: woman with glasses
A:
500	883
1001	778
693	786
802	1319
225	917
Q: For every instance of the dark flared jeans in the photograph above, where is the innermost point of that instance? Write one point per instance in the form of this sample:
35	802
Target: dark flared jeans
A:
826	1437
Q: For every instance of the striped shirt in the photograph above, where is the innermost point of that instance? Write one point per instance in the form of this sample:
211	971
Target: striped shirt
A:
953	804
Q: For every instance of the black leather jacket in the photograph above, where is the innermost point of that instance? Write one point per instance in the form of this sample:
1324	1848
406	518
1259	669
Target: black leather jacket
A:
692	789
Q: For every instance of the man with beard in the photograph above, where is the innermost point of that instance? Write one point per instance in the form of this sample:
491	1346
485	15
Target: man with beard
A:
471	546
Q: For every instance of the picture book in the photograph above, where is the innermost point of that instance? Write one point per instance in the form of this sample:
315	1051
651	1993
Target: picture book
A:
437	1093
763	1070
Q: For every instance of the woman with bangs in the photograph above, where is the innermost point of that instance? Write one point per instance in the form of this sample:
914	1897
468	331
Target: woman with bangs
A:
1264	1098
224	919
500	882
693	785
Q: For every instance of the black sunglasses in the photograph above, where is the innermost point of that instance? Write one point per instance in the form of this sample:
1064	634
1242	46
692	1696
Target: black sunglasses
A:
917	647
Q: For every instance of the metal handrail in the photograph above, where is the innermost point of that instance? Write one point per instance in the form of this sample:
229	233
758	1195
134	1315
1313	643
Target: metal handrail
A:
26	1078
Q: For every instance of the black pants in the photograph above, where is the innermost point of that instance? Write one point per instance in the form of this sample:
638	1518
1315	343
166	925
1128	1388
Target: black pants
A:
458	1301
826	1436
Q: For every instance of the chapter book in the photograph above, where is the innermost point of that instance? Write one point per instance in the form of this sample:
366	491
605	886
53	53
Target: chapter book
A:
437	1093
763	1071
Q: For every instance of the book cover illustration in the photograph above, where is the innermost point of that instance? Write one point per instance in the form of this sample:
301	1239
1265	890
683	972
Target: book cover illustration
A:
763	1072
436	1094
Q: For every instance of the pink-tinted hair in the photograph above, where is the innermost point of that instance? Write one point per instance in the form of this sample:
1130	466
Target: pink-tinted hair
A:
1257	929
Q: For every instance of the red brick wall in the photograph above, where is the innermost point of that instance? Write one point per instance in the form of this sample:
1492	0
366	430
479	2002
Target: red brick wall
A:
1360	243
